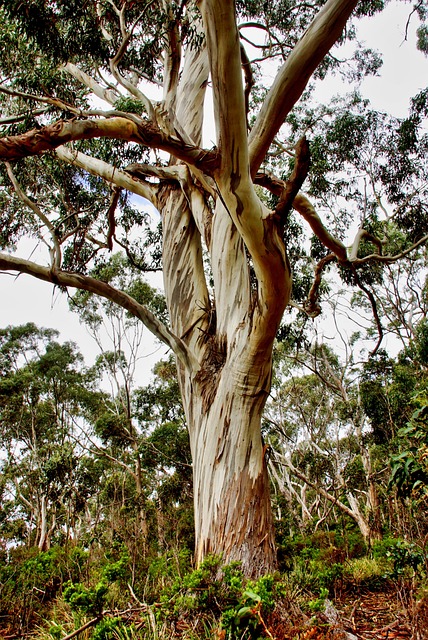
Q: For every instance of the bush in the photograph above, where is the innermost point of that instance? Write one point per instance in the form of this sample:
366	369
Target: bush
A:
30	580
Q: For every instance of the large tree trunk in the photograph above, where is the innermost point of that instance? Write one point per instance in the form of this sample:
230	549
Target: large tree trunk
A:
231	485
224	390
210	208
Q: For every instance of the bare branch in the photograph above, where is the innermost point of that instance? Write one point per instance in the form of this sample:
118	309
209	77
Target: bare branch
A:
55	252
303	206
375	257
111	217
172	62
80	281
22	116
55	102
229	102
108	95
312	306
363	234
295	181
109	173
373	305
126	38
132	129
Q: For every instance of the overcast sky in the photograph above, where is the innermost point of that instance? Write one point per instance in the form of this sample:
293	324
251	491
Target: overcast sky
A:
405	71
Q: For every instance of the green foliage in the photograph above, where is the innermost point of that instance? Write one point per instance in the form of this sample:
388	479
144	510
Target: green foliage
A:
222	591
409	467
118	570
319	603
130	105
407	558
31	580
106	629
87	600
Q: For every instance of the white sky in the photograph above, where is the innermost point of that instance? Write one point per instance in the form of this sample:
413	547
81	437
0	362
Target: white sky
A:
405	71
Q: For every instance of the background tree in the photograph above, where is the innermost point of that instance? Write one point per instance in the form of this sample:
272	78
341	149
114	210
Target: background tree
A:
317	428
225	254
44	392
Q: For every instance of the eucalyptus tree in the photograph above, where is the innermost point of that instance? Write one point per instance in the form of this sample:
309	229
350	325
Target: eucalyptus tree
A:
105	99
44	390
317	429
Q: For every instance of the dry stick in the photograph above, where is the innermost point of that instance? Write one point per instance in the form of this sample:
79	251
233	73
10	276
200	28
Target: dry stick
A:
82	628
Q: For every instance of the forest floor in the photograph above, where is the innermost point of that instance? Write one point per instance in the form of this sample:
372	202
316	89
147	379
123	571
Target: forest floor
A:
371	615
363	614
382	615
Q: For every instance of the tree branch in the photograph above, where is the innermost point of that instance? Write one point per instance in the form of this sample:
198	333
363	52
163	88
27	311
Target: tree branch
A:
229	102
303	206
108	95
294	75
79	281
321	490
109	173
376	257
373	304
311	305
53	135
295	181
134	129
55	251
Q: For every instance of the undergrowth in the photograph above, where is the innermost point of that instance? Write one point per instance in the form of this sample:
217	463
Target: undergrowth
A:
101	595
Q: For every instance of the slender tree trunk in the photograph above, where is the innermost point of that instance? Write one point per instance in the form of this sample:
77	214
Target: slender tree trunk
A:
141	500
43	526
373	502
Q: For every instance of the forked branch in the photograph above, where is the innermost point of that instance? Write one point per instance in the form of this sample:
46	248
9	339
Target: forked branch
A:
55	249
295	73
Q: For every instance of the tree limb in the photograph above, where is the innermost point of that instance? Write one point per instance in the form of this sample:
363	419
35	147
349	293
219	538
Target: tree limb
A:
303	206
322	491
224	52
80	281
144	132
294	75
376	257
311	305
55	251
108	95
373	304
295	181
102	169
111	217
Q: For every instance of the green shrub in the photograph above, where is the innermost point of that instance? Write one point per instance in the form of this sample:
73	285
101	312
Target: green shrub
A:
106	629
88	600
407	559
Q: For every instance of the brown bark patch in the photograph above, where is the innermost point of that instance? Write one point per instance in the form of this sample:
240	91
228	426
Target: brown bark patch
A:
208	376
243	525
